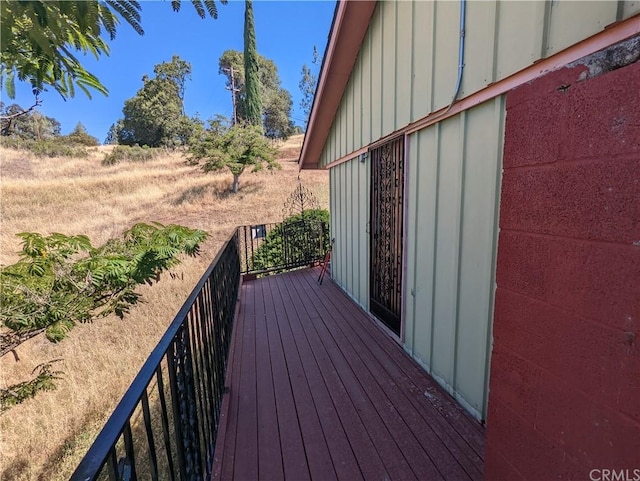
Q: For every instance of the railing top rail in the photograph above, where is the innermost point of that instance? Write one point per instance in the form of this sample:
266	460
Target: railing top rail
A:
99	450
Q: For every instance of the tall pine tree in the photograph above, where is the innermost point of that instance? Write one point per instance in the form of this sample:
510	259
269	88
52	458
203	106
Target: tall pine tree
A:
252	78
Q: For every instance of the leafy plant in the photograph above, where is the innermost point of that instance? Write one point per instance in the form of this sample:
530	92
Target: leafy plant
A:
60	281
53	147
40	40
300	239
128	153
44	380
235	149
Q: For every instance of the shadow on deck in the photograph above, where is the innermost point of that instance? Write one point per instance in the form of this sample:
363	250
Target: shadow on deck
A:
318	391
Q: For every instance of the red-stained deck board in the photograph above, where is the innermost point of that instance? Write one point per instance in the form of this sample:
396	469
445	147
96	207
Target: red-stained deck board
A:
303	409
445	412
415	439
447	449
290	437
318	391
333	431
269	453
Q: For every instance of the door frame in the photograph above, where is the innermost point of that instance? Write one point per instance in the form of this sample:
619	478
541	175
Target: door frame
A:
398	238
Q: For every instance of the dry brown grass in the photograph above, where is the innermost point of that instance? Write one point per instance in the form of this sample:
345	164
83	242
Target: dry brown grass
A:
44	438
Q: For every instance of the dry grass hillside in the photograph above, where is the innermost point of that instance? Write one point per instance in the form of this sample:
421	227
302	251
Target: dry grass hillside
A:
44	438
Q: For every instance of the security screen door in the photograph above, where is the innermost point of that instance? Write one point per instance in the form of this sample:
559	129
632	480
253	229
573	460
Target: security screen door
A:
387	190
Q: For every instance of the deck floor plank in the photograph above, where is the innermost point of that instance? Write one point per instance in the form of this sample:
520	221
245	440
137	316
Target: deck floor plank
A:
226	440
296	422
428	458
380	432
467	438
246	449
269	452
319	391
341	452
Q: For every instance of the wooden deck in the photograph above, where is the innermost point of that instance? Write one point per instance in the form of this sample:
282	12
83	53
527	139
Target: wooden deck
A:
319	391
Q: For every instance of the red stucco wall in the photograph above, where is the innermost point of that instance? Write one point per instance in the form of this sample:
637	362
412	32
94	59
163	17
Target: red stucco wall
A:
565	370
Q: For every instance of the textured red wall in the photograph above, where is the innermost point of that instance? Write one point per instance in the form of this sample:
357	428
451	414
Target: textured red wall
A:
565	369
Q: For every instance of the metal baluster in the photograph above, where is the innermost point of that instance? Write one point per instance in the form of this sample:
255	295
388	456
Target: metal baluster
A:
149	429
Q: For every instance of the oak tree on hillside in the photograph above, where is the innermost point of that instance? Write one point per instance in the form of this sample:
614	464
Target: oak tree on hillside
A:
235	149
32	125
155	115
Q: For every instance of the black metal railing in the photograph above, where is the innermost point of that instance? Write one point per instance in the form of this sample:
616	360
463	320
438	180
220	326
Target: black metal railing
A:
166	424
267	248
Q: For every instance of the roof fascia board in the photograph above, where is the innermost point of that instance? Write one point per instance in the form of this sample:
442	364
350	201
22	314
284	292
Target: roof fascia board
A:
349	29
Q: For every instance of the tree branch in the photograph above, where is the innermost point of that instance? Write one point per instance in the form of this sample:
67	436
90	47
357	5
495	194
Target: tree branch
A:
6	129
9	341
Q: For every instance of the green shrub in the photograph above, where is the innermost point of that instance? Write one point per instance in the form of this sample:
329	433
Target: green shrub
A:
299	240
129	153
53	147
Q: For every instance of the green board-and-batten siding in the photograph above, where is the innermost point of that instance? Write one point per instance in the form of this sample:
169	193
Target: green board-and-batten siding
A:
450	241
349	205
408	61
406	68
450	237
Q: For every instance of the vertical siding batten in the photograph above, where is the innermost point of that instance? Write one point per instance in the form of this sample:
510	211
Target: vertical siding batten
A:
349	231
445	67
433	272
405	242
355	205
411	245
376	75
388	57
458	274
422	59
357	105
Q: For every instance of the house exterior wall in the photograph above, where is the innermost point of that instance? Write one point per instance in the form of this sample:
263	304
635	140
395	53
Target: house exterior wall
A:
408	62
406	68
451	233
565	367
349	206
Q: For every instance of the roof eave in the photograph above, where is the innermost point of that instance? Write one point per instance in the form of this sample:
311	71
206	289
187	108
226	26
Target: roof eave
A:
347	33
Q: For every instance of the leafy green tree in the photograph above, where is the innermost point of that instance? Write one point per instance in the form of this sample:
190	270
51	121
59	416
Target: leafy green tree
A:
277	103
235	149
32	125
61	281
253	102
80	136
178	71
277	115
154	116
307	86
40	40
113	133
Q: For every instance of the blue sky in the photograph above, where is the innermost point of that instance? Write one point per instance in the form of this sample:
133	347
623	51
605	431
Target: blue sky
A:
286	33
